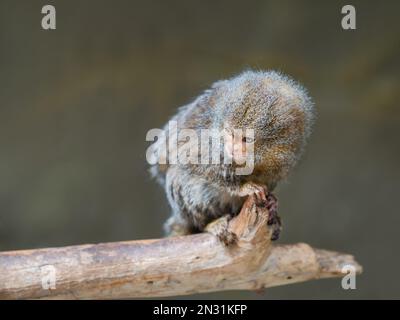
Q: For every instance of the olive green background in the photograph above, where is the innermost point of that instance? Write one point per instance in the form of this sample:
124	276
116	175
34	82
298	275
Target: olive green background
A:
76	103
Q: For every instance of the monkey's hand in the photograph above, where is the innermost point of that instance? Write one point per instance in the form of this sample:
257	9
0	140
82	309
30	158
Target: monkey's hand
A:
267	199
258	190
273	219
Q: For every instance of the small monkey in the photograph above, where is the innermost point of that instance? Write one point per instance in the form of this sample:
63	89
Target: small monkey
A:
280	113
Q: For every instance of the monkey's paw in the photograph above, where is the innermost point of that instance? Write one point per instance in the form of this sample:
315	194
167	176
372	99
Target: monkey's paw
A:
264	198
219	228
273	219
259	191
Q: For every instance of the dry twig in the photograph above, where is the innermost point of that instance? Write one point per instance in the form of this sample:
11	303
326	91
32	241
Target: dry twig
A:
169	266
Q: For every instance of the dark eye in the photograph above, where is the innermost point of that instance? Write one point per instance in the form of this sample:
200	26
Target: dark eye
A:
247	140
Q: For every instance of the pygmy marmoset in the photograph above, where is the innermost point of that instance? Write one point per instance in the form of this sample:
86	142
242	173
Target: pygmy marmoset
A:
280	113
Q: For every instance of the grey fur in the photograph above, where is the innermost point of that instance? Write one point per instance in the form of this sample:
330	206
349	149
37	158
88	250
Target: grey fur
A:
275	106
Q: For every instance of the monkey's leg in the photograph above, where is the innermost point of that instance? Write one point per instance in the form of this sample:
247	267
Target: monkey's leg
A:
178	223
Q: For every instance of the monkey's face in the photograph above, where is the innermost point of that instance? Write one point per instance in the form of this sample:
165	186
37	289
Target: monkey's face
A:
273	142
238	145
273	115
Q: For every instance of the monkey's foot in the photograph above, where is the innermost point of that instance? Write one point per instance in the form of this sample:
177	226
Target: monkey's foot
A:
273	219
174	227
219	228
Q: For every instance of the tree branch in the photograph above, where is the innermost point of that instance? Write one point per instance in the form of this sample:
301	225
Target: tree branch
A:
168	267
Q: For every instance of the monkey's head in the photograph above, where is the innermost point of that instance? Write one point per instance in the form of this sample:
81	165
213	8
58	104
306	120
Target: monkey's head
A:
279	112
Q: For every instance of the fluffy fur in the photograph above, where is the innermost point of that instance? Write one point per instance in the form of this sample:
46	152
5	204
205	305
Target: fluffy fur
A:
280	112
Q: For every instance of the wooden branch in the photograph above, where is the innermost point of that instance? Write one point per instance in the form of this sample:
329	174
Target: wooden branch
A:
168	267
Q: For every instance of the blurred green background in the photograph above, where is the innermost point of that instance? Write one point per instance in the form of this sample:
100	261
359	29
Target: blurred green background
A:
76	103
